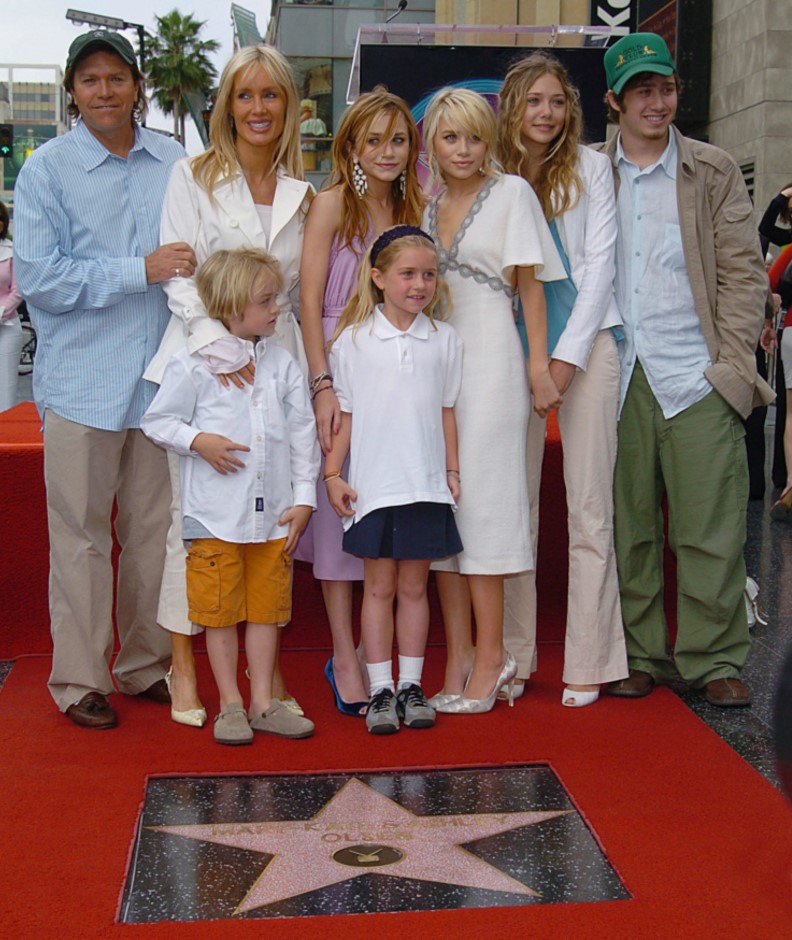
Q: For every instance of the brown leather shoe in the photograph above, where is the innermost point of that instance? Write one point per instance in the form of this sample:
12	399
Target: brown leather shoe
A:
157	693
728	693
92	711
636	685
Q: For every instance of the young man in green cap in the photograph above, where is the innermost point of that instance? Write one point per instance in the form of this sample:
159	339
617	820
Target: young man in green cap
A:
88	261
691	288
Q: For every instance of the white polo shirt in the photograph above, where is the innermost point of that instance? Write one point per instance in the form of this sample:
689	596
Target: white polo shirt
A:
395	385
273	417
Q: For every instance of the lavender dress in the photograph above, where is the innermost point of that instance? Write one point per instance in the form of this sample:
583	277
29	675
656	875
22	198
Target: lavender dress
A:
322	539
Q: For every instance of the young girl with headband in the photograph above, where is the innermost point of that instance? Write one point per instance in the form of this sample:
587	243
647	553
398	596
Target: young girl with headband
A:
373	186
397	373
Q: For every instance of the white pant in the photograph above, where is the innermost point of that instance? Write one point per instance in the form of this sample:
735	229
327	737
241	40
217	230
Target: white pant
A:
172	611
595	647
11	340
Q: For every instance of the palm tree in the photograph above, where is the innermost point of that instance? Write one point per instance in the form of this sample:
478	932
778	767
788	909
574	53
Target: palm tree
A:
177	63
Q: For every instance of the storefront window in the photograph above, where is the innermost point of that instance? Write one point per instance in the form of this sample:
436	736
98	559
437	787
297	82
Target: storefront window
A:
315	88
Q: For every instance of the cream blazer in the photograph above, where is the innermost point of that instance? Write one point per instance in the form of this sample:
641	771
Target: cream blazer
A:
588	233
227	219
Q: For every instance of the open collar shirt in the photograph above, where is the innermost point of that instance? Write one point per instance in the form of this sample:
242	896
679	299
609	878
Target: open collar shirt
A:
653	292
85	221
273	417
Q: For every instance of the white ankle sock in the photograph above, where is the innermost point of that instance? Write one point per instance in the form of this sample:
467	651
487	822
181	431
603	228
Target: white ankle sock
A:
410	670
380	676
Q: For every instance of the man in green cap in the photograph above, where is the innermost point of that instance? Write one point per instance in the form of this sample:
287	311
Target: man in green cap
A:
691	288
88	261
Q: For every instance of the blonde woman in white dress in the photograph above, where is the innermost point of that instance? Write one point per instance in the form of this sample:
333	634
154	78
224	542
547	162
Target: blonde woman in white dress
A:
494	245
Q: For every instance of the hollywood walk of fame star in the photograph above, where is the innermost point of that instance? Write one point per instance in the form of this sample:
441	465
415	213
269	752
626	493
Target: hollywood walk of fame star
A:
361	827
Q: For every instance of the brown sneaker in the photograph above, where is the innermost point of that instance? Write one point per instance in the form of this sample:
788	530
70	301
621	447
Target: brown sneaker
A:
636	685
729	692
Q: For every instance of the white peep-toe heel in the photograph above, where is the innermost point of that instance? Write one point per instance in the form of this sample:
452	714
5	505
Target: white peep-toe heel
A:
579	699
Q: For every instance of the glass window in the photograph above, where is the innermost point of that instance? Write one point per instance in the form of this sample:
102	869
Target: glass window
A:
315	87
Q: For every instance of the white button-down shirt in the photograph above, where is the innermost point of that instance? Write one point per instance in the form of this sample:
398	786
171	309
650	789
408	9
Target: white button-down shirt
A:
662	329
273	417
396	384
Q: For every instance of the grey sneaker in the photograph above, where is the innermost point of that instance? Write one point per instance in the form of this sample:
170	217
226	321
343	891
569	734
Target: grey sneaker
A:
280	719
381	717
413	709
231	726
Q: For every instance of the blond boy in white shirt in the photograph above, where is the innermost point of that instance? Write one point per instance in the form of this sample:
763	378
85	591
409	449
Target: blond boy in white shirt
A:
241	518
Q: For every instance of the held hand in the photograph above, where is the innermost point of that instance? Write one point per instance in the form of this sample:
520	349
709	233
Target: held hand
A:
562	374
245	375
217	451
296	519
768	340
176	259
545	394
341	496
328	417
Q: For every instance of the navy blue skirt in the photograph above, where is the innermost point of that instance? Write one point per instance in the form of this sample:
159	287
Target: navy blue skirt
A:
414	532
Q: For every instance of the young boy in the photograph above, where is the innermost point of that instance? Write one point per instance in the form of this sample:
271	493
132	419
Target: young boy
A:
242	518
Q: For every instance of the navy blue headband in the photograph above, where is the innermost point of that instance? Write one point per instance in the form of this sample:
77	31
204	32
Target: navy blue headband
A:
391	234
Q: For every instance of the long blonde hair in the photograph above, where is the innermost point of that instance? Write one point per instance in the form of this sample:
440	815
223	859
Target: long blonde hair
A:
352	132
558	184
220	161
367	295
466	112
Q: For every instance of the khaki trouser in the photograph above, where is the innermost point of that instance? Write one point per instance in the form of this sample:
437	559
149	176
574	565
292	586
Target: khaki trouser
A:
85	470
697	458
594	649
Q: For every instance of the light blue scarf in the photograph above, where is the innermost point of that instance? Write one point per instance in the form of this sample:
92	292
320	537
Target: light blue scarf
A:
560	297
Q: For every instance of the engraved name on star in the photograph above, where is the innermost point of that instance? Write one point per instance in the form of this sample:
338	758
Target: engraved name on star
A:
361	832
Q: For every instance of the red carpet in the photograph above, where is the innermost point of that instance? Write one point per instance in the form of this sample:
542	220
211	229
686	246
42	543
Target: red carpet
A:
700	839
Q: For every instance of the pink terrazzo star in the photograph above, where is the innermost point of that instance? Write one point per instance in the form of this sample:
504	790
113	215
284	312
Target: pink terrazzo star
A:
384	837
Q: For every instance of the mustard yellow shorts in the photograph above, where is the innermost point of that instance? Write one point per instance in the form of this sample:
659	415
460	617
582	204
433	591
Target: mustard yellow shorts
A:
228	583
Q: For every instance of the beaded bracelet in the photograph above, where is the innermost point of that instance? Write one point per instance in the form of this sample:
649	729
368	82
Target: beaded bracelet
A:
317	379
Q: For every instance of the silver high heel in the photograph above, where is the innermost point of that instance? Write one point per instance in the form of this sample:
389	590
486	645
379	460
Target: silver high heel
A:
194	717
475	706
441	699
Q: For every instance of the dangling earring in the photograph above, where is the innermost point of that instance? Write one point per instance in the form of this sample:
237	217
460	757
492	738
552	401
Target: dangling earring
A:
481	170
359	180
403	183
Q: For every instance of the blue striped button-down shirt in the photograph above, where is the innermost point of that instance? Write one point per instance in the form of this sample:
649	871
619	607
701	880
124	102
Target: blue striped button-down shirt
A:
662	329
85	219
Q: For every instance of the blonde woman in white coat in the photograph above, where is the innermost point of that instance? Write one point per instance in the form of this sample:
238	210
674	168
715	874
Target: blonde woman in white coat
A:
539	132
247	189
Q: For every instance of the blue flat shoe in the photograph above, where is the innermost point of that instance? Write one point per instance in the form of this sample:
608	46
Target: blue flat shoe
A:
354	709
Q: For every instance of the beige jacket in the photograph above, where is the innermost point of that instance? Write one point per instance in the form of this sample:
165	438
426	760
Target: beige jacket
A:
724	263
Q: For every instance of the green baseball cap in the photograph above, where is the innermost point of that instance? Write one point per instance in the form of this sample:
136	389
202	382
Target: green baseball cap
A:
101	37
633	54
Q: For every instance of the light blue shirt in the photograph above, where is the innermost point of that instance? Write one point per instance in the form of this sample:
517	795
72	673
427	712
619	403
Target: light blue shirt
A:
662	329
85	219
